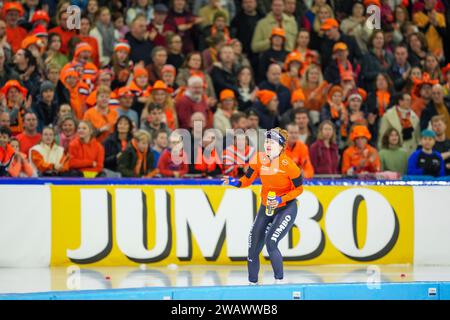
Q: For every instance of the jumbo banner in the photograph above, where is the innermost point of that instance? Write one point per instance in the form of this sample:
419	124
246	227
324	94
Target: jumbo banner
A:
160	225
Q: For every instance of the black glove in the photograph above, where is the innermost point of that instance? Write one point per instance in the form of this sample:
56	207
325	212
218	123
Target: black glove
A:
407	133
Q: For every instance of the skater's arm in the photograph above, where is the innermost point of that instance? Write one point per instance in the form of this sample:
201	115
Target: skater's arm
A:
296	176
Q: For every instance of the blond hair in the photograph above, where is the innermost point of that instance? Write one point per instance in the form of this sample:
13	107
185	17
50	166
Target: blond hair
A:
282	132
323	124
139	135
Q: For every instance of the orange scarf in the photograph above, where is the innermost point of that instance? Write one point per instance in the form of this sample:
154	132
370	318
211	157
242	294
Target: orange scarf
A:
336	115
383	98
405	122
141	161
226	33
344	67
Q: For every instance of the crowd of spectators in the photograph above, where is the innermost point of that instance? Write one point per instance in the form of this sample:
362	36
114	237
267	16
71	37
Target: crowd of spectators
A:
107	99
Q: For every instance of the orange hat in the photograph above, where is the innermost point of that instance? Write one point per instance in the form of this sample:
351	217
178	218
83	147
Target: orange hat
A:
346	76
67	73
297	95
265	96
40	31
446	69
360	131
8	6
31	40
367	3
291	57
426	79
278	32
227	94
363	93
169	68
139	72
122	45
329	24
82	46
339	46
160	85
333	90
40	15
125	92
13	84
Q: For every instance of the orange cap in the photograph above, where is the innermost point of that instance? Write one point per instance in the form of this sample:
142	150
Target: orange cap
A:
339	46
360	131
291	57
265	96
139	72
82	46
227	94
346	76
125	92
40	15
426	79
30	40
333	90
160	85
40	31
67	73
278	32
8	6
367	3
122	45
13	84
329	24
297	95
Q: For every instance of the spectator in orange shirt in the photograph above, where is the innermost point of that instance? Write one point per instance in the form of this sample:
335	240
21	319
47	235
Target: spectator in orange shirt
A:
20	166
13	102
293	67
422	93
29	137
360	157
47	157
86	154
298	151
14	34
78	91
103	117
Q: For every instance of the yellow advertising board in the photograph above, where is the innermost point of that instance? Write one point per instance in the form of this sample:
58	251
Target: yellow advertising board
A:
159	225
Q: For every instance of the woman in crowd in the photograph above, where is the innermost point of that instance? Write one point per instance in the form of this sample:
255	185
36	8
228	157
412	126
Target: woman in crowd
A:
324	152
193	65
293	67
175	51
417	49
431	66
314	88
53	54
392	156
20	165
246	88
67	128
121	65
276	54
47	157
376	61
86	154
227	105
160	94
360	157
117	142
137	161
105	34
355	26
336	111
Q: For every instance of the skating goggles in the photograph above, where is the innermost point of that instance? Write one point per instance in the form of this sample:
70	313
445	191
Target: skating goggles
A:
274	135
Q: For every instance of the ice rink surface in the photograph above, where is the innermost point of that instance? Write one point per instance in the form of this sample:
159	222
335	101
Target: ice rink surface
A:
75	278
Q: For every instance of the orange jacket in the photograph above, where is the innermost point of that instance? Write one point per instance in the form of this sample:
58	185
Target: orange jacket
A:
17	168
83	155
291	83
99	120
352	157
15	36
280	175
299	153
6	158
